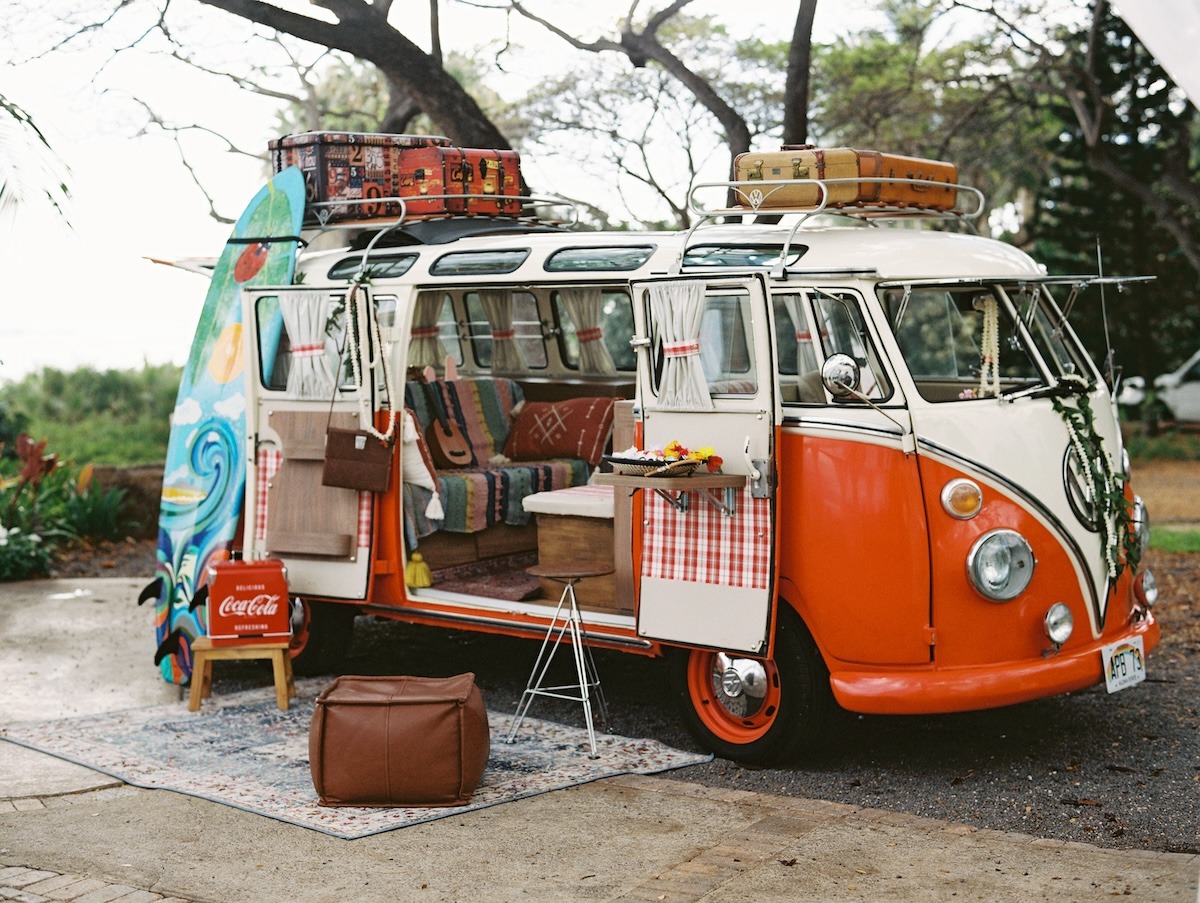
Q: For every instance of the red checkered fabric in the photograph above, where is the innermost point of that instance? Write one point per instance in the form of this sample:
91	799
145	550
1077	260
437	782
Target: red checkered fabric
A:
702	545
364	519
269	462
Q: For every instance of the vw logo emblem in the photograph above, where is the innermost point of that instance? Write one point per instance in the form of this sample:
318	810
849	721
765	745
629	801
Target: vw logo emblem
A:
1081	493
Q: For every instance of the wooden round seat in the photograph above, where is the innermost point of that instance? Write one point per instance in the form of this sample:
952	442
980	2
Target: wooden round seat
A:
567	571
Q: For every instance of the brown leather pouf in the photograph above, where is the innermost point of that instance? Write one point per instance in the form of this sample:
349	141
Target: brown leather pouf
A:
398	741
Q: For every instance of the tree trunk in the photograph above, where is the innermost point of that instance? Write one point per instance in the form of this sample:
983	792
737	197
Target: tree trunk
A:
795	92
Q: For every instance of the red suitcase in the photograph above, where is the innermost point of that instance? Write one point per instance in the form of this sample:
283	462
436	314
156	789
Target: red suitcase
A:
447	175
348	166
248	603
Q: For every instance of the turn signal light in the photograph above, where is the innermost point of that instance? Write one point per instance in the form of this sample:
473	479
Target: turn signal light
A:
962	498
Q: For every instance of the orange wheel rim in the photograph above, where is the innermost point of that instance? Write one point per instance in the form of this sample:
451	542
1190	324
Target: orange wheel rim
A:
736	719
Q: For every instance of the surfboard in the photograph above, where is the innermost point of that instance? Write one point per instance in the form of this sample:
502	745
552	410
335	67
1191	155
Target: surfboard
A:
205	472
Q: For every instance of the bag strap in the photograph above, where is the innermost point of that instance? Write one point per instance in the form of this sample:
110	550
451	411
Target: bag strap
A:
361	320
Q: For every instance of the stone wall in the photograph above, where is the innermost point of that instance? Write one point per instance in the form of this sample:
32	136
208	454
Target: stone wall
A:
143	491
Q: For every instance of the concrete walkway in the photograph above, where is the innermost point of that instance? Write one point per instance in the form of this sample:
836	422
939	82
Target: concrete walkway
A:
67	833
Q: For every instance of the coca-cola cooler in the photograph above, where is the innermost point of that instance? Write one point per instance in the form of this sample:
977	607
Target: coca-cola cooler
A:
248	603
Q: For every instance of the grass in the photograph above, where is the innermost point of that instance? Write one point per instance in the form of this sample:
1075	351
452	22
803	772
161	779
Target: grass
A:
1166	539
1172	445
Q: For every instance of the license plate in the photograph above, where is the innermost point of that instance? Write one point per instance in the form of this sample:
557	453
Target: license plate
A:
1124	664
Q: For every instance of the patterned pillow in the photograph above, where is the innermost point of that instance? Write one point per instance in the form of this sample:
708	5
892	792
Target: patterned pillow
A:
578	428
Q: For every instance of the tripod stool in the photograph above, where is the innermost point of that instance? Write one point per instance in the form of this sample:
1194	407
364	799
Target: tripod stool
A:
565	623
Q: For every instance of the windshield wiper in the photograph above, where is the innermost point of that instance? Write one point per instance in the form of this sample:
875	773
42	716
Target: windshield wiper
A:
1068	384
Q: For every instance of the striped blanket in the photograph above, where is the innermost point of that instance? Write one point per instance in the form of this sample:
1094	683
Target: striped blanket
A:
480	496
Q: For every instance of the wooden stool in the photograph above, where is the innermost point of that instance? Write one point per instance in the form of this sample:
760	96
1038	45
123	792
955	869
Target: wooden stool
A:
563	624
204	653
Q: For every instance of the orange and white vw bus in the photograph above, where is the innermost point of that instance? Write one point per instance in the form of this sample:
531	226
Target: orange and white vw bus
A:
903	487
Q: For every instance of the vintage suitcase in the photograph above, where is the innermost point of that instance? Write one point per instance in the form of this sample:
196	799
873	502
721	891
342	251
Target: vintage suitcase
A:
348	166
247	603
398	741
805	162
929	197
448	174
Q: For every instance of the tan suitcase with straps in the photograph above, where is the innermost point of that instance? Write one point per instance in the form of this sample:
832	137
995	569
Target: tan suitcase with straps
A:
807	162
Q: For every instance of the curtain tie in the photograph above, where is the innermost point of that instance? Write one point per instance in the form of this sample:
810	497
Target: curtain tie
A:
594	334
681	349
307	350
502	334
425	332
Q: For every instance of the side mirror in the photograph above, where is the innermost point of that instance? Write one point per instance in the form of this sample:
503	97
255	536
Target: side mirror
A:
841	375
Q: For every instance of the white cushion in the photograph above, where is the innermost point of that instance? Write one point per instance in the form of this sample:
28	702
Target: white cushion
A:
577	501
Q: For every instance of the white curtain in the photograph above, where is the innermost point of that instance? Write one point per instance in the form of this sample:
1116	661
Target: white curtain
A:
806	356
498	307
677	309
425	350
584	307
310	372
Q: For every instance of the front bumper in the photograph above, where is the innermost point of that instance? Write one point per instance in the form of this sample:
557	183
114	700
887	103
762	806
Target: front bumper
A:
903	691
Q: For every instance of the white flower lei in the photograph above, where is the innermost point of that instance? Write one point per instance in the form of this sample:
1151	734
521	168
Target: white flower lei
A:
1094	483
989	371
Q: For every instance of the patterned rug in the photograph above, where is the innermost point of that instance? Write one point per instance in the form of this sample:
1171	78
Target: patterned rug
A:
242	751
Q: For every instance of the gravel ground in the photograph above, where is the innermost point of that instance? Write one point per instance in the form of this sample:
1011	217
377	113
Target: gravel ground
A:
1118	771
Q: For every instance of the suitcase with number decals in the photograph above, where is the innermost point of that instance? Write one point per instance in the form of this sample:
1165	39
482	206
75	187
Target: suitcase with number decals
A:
436	181
348	166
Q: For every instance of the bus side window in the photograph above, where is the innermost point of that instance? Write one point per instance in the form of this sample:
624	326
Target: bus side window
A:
842	330
796	358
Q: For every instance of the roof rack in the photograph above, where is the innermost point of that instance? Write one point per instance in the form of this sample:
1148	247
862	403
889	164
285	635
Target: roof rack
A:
755	200
531	206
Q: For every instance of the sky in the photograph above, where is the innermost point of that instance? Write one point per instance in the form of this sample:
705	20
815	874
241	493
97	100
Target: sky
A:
88	295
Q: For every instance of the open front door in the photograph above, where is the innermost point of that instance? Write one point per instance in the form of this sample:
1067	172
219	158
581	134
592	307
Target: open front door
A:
706	570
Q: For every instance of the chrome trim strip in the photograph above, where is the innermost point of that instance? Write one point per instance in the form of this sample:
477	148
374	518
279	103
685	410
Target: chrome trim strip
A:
532	630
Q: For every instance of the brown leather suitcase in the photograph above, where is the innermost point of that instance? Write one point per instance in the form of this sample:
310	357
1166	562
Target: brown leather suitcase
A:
398	741
806	162
927	197
460	180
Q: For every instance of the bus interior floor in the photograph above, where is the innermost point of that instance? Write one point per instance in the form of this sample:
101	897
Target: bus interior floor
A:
497	578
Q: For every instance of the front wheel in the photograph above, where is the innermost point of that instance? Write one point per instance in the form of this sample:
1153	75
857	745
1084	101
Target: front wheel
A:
321	636
757	710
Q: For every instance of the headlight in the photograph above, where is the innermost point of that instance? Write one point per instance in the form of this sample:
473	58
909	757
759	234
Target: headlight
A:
1146	588
1058	623
1000	565
1141	526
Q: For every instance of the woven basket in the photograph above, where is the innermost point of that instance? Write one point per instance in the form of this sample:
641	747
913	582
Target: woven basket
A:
638	467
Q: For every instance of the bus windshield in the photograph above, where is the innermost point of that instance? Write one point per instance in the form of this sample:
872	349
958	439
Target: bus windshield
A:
978	341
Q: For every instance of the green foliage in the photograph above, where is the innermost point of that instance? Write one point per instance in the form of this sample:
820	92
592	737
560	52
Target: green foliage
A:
911	87
39	517
119	417
12	424
23	555
1164	539
1173	446
1144	130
